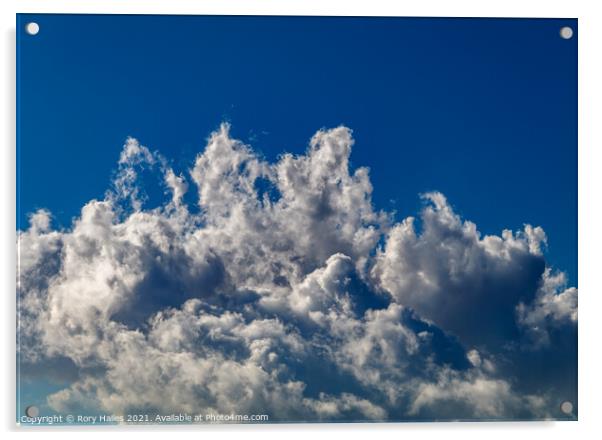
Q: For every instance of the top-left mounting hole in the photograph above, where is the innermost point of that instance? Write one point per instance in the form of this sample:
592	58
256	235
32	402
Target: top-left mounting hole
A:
32	28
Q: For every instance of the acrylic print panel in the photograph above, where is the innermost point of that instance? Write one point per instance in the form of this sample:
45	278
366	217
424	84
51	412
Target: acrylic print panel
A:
296	219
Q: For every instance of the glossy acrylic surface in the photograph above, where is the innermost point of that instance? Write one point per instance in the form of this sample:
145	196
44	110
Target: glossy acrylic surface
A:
296	219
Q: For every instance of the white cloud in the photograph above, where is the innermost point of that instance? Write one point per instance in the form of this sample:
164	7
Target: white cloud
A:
554	305
177	185
481	397
450	274
277	298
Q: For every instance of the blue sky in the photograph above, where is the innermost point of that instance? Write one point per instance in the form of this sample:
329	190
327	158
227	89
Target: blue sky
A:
457	119
482	110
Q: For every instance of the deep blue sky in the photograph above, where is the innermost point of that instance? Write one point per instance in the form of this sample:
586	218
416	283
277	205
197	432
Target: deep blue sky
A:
483	110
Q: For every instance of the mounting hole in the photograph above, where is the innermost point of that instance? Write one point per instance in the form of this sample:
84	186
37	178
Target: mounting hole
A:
32	28
566	407
566	32
32	411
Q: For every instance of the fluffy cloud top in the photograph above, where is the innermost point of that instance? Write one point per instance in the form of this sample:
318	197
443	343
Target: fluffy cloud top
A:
288	294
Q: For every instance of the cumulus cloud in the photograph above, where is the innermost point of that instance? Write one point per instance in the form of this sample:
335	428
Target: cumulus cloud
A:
449	273
286	294
554	305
